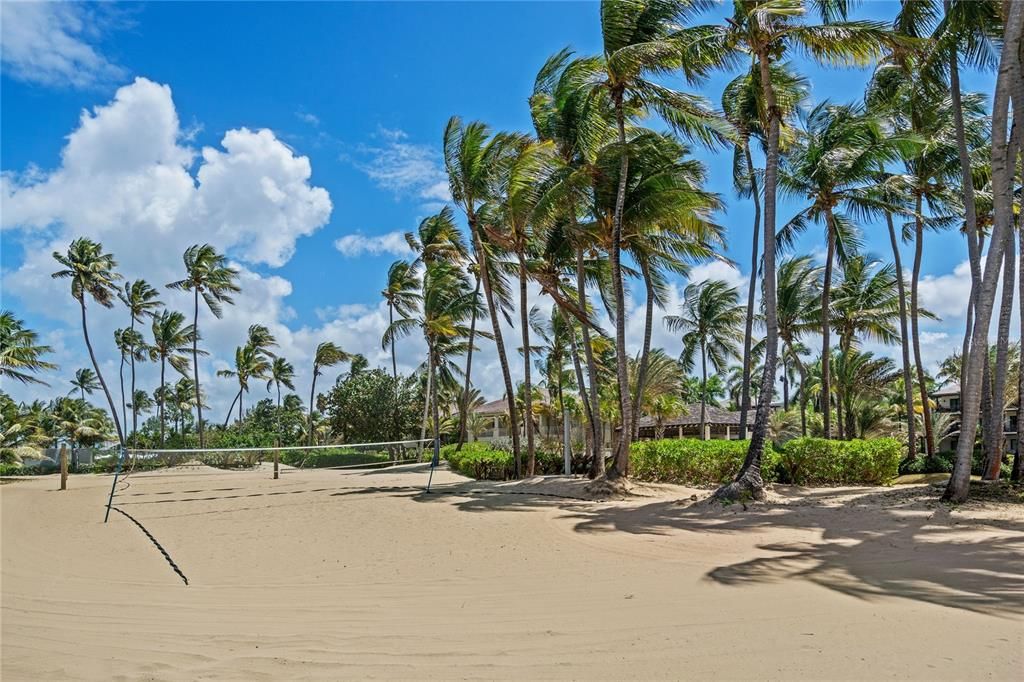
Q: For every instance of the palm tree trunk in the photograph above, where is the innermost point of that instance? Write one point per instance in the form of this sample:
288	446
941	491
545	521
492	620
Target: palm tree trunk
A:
499	342
124	409
135	408
524	321
163	397
433	376
1004	156
277	452
908	383
394	363
826	327
231	408
99	375
1015	473
751	292
241	389
748	481
593	413
995	425
580	385
926	410
803	391
620	465
464	417
703	393
312	394
426	398
641	375
785	384
195	369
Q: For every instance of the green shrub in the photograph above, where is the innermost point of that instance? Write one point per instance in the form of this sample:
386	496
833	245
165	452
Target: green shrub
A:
817	461
479	460
690	461
313	459
37	470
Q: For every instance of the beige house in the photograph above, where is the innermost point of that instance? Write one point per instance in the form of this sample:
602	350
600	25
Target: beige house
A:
719	424
947	400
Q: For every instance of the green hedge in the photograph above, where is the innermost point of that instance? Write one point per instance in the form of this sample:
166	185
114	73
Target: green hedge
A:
817	461
313	459
689	461
479	460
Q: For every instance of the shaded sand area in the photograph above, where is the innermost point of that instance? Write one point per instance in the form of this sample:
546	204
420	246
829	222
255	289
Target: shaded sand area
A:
356	574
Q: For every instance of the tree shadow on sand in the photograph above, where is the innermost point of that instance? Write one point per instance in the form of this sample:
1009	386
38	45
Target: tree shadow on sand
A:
871	544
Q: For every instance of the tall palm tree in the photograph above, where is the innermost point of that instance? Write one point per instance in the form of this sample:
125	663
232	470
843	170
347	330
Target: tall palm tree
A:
710	320
328	354
743	106
768	31
131	346
184	400
642	39
282	373
21	354
401	297
142	301
85	382
473	159
92	274
208	275
172	338
250	363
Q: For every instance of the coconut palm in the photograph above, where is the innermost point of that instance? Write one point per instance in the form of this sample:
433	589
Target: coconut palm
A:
798	314
208	275
131	346
184	400
20	351
401	296
282	373
172	338
250	363
710	320
473	159
92	275
142	301
328	354
768	31
85	382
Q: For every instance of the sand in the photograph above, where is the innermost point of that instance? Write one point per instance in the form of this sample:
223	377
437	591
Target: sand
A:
328	574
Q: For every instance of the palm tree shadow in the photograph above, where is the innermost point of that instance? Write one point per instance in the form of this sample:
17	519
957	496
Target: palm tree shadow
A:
874	545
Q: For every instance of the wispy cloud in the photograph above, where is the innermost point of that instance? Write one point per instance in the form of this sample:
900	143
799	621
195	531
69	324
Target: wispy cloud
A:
306	117
408	170
352	245
53	43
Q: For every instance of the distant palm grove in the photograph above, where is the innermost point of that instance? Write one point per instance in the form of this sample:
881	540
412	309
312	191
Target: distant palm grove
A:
604	195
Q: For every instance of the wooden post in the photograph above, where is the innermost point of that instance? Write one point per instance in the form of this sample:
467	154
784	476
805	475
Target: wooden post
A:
63	467
275	463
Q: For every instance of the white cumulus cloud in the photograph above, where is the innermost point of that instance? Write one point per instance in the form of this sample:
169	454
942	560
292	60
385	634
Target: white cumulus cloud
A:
358	244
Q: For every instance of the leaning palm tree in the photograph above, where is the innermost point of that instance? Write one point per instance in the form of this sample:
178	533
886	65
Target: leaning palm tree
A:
250	363
769	31
711	321
172	338
327	354
21	354
92	274
85	382
209	276
142	301
473	159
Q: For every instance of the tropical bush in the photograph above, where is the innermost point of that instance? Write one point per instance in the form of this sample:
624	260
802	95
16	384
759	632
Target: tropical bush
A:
312	459
689	461
817	461
479	460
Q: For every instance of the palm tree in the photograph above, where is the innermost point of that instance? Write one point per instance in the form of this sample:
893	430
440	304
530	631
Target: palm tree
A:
250	363
743	106
282	373
130	345
401	297
209	276
473	159
184	400
642	39
85	381
767	31
798	314
328	354
20	351
142	301
710	320
171	340
92	274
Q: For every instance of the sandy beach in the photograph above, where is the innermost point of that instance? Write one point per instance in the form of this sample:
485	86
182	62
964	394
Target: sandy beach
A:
358	574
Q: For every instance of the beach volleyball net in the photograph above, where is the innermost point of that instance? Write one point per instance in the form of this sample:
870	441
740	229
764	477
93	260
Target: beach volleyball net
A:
276	462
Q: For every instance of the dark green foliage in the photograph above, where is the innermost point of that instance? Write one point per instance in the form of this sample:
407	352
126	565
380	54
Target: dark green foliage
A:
311	459
817	461
478	460
689	461
364	407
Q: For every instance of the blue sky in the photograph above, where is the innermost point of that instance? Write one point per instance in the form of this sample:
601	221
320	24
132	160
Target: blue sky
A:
352	99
